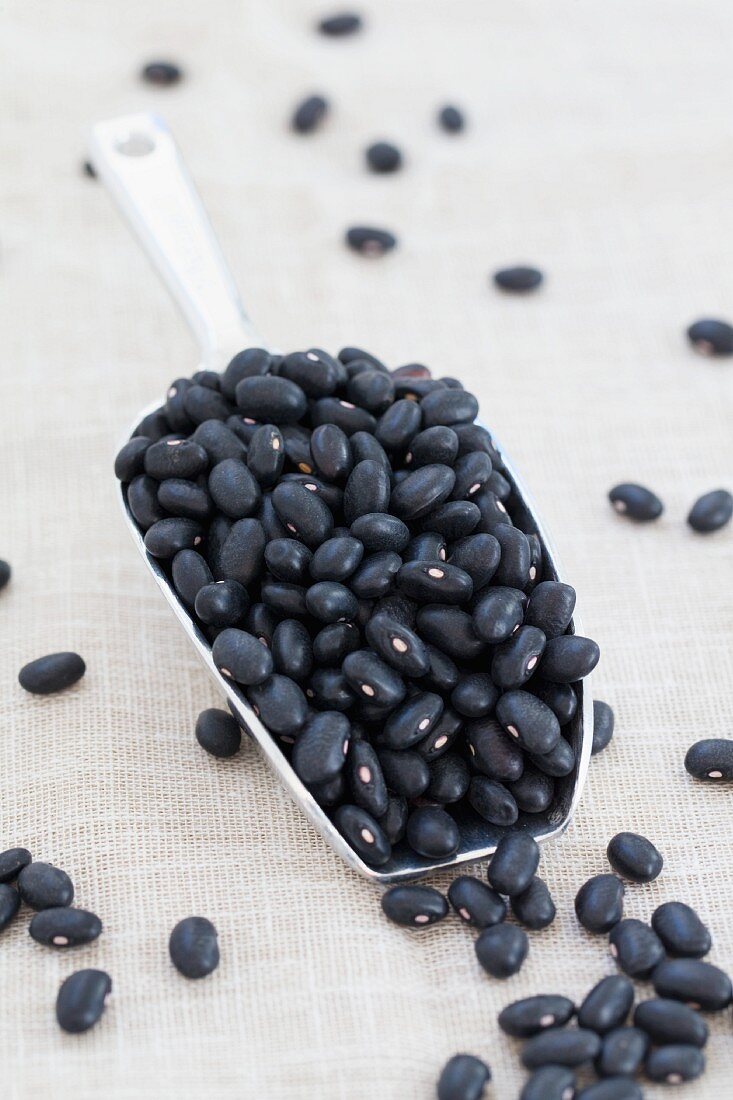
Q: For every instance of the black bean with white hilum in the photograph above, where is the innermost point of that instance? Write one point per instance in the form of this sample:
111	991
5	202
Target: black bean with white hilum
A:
349	541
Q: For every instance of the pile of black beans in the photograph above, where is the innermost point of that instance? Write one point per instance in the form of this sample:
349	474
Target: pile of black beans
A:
346	539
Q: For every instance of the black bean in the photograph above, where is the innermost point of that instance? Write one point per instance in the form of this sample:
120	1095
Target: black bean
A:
221	441
12	862
292	649
711	337
202	403
515	660
599	904
142	500
335	642
514	863
358	355
534	907
536	556
414	906
449	407
370	241
162	73
373	390
209	378
475	695
379	531
433	445
711	759
336	26
533	791
711	511
367	490
666	1021
155	425
432	582
245	364
405	772
456	519
551	607
130	460
382	156
451	630
635	501
190	573
449	778
375	575
371	678
175	406
532	1015
561	1047
499	485
347	416
270	399
493	512
366	781
463	1077
280	703
394	820
478	555
242	657
89	170
518	279
681	930
498	613
674	1064
607	1005
9	904
331	602
398	424
194	948
218	733
412	721
321	747
309	114
289	560
636	948
166	537
432	832
492	801
217	534
442	674
698	984
185	499
52	673
43	886
451	119
516	557
559	762
314	371
422	491
179	458
5	572
284	599
429	546
65	927
634	857
302	512
528	721
329	690
493	752
442	736
81	998
234	489
502	949
560	698
472	472
365	835
331	452
261	622
550	1083
568	658
622	1052
613	1088
603	722
222	603
476	903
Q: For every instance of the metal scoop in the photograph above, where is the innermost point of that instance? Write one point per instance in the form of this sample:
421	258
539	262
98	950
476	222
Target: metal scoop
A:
138	161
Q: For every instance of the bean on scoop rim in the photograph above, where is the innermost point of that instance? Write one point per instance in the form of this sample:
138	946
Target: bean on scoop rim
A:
478	839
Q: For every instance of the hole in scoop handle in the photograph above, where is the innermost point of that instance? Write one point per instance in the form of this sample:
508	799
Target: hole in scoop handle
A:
139	162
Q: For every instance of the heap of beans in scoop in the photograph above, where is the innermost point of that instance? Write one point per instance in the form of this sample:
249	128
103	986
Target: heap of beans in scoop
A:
346	538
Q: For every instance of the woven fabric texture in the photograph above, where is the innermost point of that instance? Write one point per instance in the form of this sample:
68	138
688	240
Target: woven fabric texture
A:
598	148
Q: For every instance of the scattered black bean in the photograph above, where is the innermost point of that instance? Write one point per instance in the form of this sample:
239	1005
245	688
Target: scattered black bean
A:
336	26
666	1021
502	949
550	1083
9	904
519	279
561	1047
681	930
194	947
81	1000
711	511
634	857
43	886
603	722
463	1077
599	904
89	170
607	1005
698	984
56	672
382	156
414	906
711	759
674	1064
528	1017
711	337
636	947
451	119
514	863
218	733
12	862
534	907
636	502
476	903
65	927
370	241
309	114
162	73
622	1052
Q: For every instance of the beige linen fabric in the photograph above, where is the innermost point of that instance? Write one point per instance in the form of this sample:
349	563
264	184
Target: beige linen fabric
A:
600	148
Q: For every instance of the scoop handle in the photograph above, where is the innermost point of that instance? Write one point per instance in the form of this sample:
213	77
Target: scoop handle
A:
139	162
